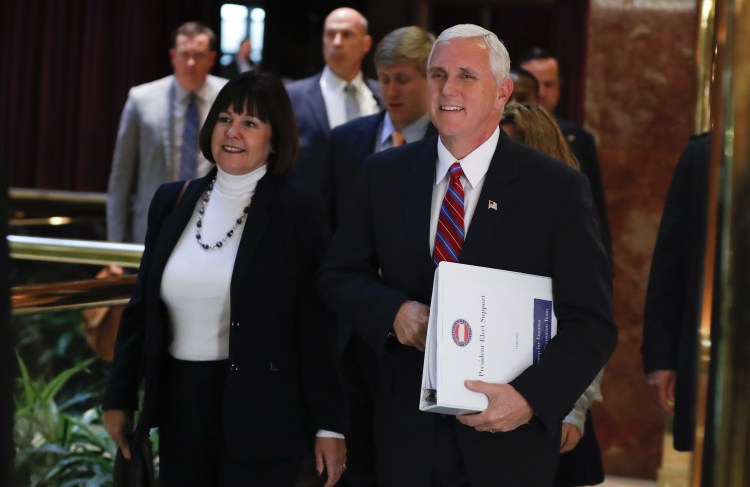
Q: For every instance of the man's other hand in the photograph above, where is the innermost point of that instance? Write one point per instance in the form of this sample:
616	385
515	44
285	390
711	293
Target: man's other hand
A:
410	324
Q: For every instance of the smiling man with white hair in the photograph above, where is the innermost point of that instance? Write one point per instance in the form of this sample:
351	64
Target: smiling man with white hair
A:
379	273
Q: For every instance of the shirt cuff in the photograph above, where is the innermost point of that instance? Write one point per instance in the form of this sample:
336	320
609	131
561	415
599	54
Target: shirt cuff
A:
329	434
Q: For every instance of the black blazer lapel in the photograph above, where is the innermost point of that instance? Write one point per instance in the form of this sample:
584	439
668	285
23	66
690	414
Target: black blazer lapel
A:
258	219
368	135
495	201
417	189
375	89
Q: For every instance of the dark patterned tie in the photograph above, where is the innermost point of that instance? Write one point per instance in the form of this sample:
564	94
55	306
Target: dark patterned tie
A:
351	103
189	148
449	237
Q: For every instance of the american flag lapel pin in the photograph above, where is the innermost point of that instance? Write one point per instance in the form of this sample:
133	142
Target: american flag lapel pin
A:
492	205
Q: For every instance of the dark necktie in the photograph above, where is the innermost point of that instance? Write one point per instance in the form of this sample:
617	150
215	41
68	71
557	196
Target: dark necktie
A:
189	148
449	237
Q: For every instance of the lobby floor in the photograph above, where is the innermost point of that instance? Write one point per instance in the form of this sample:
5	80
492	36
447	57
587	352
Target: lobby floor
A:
623	482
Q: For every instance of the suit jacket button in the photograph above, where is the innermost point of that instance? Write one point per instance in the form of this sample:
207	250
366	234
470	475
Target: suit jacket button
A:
234	367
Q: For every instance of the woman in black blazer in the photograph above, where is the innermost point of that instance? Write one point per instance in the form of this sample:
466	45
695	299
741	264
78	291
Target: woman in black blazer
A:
225	328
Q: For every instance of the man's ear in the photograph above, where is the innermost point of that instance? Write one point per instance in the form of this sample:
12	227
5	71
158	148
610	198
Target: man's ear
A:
505	91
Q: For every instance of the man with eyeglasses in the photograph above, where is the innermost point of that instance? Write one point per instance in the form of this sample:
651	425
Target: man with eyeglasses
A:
157	140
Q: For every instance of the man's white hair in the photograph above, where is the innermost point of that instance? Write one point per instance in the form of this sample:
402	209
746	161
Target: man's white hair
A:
499	57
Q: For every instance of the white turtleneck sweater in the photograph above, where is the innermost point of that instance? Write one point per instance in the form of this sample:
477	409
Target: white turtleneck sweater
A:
195	285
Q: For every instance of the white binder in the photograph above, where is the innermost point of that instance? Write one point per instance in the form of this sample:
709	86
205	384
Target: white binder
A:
485	324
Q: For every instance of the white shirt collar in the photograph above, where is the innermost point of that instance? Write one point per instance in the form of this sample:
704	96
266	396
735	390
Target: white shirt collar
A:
333	83
474	165
182	94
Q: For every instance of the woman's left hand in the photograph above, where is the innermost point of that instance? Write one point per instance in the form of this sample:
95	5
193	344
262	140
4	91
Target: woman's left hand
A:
330	455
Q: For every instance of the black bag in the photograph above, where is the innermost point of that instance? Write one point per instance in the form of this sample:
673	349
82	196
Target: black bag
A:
138	472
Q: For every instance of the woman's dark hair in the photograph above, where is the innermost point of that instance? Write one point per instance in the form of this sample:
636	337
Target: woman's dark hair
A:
261	95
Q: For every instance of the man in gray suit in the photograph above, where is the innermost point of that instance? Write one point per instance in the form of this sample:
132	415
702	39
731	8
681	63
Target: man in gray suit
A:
157	140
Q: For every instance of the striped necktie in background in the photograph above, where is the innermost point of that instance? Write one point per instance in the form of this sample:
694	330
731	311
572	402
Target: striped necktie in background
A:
449	237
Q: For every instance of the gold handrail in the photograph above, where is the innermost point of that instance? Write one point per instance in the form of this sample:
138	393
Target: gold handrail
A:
57	196
89	293
75	251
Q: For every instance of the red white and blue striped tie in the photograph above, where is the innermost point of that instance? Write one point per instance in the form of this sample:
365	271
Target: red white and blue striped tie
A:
449	236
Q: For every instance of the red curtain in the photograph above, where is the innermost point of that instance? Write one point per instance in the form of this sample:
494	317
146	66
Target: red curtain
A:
67	67
571	35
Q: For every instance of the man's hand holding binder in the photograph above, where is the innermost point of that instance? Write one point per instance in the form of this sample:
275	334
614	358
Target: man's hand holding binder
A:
506	411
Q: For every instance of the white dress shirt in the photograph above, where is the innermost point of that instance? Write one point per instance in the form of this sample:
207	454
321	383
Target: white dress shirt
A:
334	96
475	167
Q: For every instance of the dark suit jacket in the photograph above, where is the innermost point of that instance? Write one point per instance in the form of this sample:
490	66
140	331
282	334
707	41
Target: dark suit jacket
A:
283	385
674	296
314	129
232	69
583	147
380	258
350	145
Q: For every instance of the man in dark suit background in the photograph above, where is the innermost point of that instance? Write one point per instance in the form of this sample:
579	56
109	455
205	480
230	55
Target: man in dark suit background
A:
674	296
241	62
401	63
521	211
334	96
545	67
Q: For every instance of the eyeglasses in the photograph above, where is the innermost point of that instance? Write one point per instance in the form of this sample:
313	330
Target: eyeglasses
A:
195	56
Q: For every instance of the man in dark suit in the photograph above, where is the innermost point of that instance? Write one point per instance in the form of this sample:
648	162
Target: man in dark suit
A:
545	67
520	211
673	299
334	96
241	62
401	62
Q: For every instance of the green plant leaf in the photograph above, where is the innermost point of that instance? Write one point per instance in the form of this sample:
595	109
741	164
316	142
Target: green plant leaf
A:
54	385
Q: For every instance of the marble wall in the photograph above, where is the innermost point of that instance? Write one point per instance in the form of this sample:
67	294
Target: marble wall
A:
640	104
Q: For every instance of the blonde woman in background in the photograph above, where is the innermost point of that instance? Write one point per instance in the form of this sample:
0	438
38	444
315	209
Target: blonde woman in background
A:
534	126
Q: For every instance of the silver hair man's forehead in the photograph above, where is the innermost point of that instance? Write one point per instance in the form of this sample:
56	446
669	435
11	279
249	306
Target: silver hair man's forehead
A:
499	57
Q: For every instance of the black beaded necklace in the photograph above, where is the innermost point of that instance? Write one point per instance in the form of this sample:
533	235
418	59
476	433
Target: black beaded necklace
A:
201	215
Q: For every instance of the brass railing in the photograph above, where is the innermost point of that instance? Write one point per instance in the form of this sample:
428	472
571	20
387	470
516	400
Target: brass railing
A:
57	196
73	294
88	293
75	251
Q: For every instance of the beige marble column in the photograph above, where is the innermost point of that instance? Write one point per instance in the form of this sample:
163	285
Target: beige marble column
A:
640	104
